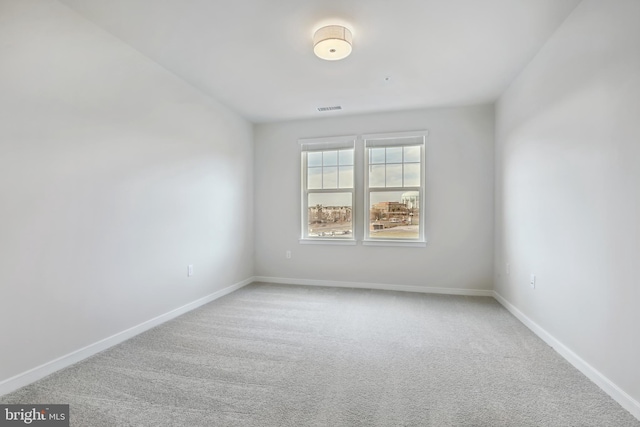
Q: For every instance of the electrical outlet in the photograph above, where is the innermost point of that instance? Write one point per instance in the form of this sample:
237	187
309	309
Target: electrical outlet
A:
532	281
190	270
287	254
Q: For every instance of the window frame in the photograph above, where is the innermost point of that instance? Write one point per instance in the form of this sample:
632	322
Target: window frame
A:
337	143
394	139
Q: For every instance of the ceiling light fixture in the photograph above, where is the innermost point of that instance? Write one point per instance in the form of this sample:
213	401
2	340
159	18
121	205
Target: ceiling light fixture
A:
332	42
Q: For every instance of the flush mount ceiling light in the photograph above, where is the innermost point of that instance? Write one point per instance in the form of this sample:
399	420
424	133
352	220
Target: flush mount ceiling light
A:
332	42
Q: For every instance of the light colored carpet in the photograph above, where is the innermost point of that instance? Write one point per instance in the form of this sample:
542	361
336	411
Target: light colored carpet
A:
278	355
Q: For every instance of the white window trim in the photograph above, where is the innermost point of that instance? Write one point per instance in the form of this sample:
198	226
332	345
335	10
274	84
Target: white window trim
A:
395	242
421	241
321	144
321	241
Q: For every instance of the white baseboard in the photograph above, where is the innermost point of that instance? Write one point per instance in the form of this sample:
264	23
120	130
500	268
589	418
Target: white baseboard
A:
619	395
381	286
39	372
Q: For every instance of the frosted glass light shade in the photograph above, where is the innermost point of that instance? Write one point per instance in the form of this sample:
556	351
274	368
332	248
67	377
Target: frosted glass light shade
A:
332	42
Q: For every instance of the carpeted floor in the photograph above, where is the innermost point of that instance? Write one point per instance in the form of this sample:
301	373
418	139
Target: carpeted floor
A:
279	355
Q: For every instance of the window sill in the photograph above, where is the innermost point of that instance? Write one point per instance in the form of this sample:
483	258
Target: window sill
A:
327	242
405	243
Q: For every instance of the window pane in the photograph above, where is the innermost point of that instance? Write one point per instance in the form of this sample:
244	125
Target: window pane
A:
412	174
346	157
314	158
330	215
314	178
394	155
412	154
376	155
330	158
330	177
345	177
394	175
376	176
394	215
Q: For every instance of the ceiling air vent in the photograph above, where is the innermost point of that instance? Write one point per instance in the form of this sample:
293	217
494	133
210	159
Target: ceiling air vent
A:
334	108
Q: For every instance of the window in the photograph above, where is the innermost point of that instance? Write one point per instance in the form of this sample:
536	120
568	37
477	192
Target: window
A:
328	189
394	187
390	179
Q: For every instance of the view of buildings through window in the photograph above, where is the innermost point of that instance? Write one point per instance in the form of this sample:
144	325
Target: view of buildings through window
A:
397	215
329	220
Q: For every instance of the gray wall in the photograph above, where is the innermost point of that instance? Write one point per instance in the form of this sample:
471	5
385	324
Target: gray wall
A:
459	203
114	176
567	189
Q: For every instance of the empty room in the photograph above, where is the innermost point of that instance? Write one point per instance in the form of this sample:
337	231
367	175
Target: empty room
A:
319	213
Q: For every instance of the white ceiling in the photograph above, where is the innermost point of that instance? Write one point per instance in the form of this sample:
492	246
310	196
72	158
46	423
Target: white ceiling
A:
256	56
